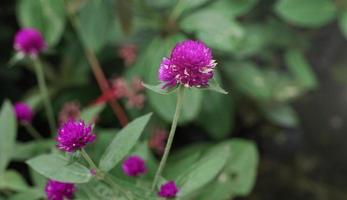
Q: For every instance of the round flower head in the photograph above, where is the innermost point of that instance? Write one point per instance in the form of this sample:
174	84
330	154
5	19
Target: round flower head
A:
29	41
168	190
74	135
23	111
134	166
190	64
59	191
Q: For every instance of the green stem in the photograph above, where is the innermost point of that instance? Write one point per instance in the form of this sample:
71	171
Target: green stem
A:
32	131
177	10
89	160
44	92
101	175
179	104
117	187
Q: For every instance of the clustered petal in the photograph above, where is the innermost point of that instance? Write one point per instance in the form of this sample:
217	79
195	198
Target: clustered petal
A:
29	41
74	135
23	112
168	190
59	191
134	166
190	64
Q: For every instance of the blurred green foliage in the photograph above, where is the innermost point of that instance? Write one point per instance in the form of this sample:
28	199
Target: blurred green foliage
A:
260	47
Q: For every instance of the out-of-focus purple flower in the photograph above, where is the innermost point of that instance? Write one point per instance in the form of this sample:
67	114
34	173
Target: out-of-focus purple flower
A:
190	64
134	166
23	111
157	141
70	111
59	191
74	135
129	53
135	100
29	41
168	190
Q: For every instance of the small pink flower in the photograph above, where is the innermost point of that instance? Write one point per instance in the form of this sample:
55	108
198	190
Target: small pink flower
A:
56	190
134	166
23	112
168	190
136	84
29	41
74	135
120	87
129	53
136	100
70	111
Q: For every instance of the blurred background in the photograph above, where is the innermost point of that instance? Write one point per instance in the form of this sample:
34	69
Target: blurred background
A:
282	61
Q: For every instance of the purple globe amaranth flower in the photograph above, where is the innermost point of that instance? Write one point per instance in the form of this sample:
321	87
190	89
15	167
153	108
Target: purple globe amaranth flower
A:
74	135
134	166
23	112
59	191
190	64
168	190
29	41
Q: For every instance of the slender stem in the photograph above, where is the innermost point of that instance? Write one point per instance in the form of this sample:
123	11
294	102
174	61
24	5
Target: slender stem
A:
176	12
44	92
89	160
179	104
97	71
105	177
32	131
117	187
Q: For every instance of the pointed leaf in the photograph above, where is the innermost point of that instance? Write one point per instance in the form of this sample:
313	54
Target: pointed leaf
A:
57	167
204	170
159	89
123	142
214	86
8	131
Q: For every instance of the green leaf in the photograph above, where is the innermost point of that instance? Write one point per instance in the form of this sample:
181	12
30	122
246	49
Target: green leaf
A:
221	189
242	166
234	7
23	151
57	167
91	113
165	105
214	86
12	180
343	23
250	80
306	13
212	27
8	133
30	194
96	22
46	15
159	89
206	169
283	115
217	105
123	142
300	68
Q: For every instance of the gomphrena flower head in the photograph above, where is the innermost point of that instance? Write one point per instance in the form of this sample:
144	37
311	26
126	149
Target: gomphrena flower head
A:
74	135
190	64
134	166
59	191
168	190
29	41
23	112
